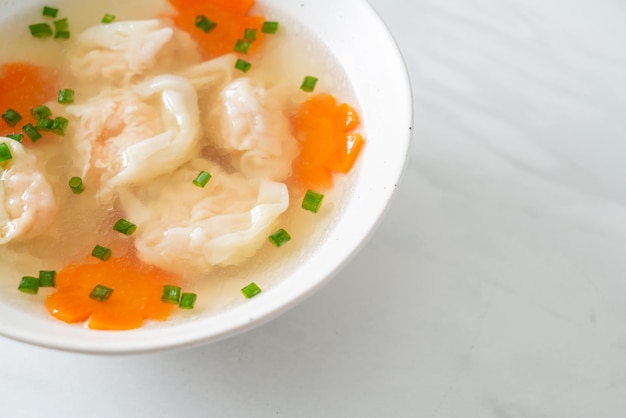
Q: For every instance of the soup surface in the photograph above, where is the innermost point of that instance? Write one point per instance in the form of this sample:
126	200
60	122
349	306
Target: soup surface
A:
201	124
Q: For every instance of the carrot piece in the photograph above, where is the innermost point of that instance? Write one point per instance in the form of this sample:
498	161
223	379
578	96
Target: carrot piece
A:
70	306
235	6
345	158
136	294
348	116
24	86
231	18
115	317
323	129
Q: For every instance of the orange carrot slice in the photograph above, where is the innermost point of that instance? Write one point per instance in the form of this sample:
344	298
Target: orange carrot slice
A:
323	129
24	86
136	296
231	18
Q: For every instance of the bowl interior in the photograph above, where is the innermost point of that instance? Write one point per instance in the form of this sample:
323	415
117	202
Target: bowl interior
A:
362	45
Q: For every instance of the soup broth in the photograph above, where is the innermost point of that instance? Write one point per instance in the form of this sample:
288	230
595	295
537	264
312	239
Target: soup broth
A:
84	220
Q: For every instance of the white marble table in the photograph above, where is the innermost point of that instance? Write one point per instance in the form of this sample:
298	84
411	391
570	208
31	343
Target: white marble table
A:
496	286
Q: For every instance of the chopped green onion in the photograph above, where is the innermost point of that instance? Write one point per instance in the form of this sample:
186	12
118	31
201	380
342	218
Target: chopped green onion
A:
103	253
16	137
44	124
61	25
125	227
5	152
64	34
187	300
108	18
204	24
47	278
11	117
59	125
66	96
76	184
249	35
101	293
312	201
242	65
269	27
61	29
41	112
202	179
242	46
40	30
251	290
50	11
171	294
29	284
308	84
279	238
31	132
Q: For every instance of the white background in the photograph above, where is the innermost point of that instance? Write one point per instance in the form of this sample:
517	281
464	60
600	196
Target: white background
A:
496	285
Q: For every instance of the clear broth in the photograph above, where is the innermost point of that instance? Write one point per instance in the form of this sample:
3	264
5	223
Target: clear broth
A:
287	57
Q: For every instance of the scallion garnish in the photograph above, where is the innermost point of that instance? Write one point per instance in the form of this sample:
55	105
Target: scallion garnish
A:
202	179
41	112
66	96
44	124
125	227
16	137
5	153
50	12
204	24
11	117
59	125
251	290
187	300
308	84
242	46
47	278
171	294
312	201
101	293
279	238
269	27
40	30
242	65
76	184
103	253
29	284
249	35
61	25
108	18
65	34
31	132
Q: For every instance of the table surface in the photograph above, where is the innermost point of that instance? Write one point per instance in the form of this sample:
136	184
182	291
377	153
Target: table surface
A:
496	285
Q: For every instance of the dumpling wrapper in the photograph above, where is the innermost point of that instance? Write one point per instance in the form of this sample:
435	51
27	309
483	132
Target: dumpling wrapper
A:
209	77
249	122
133	135
182	226
27	203
120	52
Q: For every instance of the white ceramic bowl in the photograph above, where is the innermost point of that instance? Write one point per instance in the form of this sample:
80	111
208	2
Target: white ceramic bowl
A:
366	51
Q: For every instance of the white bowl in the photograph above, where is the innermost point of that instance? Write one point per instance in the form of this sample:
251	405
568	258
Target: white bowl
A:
361	43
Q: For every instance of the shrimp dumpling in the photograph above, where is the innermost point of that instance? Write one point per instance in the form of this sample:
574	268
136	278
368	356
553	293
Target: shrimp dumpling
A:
185	226
27	203
211	75
122	51
129	136
249	122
